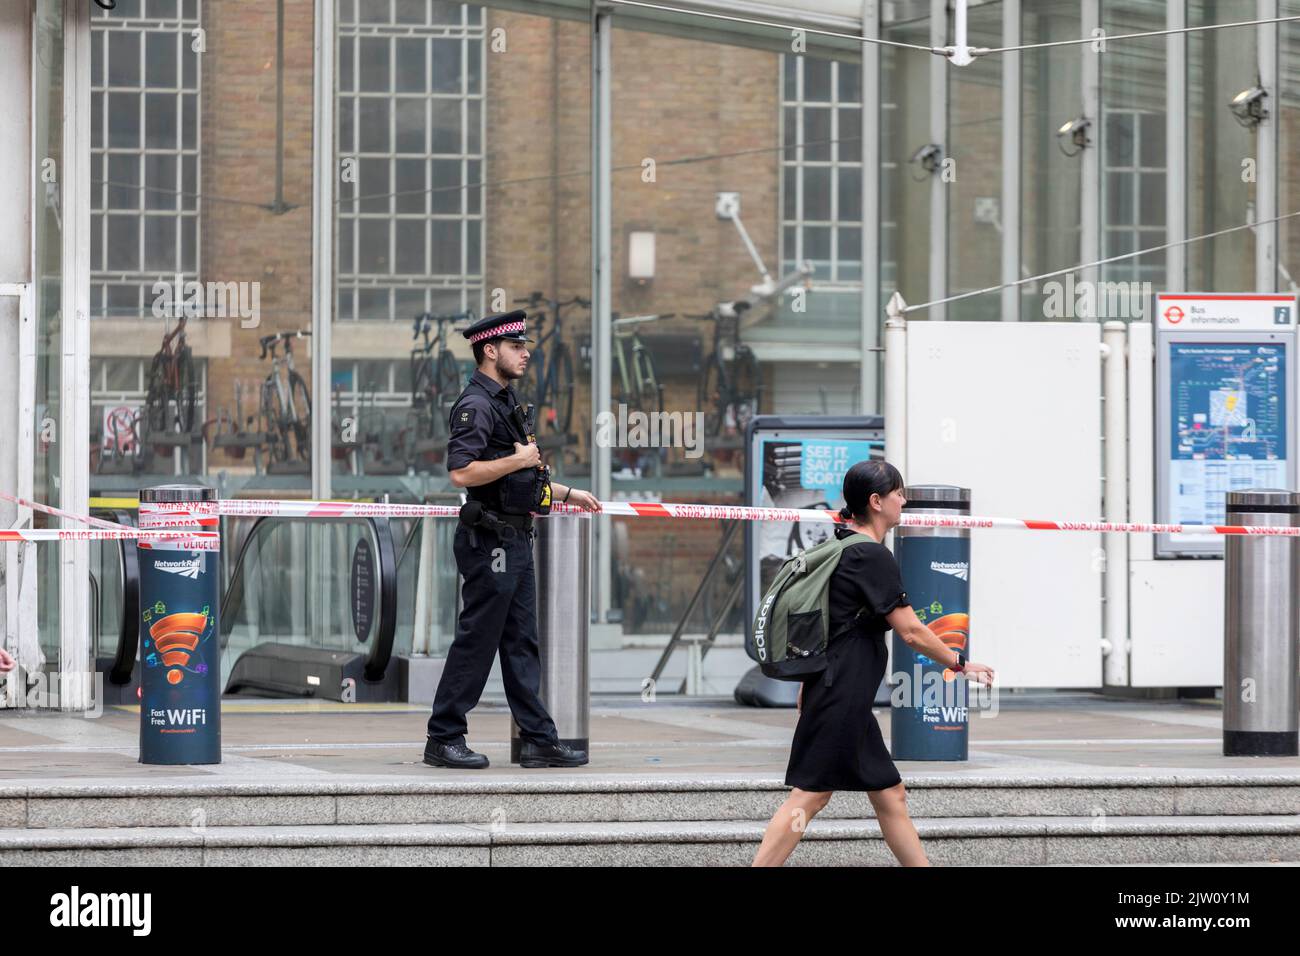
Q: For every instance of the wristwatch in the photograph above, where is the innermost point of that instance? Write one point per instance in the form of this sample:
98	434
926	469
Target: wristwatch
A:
960	666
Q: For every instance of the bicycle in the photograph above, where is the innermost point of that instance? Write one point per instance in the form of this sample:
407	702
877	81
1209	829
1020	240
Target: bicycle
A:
171	381
731	388
435	383
639	388
546	384
281	398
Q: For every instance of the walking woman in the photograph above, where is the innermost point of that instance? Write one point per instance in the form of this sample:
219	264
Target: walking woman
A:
837	742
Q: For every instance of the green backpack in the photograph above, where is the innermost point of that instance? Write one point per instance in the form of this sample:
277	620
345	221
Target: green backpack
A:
791	629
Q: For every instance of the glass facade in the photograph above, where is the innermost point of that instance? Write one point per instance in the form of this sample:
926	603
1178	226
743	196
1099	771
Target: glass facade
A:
1051	166
1222	176
905	223
459	158
1134	170
975	222
47	272
1288	109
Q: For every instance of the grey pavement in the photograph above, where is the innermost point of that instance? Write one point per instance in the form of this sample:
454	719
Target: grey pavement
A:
1071	735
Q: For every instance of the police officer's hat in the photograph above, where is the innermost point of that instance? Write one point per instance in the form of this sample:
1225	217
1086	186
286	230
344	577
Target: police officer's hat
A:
512	326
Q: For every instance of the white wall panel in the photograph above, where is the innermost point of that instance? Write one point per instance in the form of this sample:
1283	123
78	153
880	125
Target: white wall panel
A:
1013	412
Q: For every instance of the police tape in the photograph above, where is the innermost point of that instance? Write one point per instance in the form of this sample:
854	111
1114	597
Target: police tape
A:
59	513
100	530
201	540
201	514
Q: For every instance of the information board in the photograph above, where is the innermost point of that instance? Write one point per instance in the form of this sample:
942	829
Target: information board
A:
1225	407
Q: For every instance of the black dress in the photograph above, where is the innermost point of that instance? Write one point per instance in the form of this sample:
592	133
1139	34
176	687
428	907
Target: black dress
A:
837	742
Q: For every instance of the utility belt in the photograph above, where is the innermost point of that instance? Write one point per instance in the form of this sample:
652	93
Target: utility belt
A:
518	522
476	518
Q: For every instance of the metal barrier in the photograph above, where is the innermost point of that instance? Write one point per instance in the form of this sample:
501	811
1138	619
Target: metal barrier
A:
562	557
1261	627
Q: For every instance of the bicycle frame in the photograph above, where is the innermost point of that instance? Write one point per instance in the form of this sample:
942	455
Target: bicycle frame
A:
283	382
630	335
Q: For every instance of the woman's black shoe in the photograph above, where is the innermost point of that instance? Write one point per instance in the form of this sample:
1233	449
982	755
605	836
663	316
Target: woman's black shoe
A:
453	755
550	755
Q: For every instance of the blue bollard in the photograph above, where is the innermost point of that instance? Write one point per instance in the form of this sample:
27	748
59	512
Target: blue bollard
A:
180	651
929	716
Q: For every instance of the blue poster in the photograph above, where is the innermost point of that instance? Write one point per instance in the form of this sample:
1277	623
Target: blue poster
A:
824	462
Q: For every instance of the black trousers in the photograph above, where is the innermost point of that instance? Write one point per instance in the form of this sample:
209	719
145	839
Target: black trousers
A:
499	614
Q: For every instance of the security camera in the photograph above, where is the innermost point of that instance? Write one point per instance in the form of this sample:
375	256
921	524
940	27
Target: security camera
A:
929	156
1248	107
1077	131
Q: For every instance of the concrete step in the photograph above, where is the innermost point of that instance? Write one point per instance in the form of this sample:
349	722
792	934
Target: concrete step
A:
1009	840
557	796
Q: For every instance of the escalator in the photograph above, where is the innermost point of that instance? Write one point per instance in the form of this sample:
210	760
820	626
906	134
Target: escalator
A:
115	606
296	621
327	609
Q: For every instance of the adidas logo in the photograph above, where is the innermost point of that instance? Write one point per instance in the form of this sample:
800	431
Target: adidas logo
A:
959	569
186	569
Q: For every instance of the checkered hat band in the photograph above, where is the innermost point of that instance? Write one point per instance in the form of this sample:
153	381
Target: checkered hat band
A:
497	330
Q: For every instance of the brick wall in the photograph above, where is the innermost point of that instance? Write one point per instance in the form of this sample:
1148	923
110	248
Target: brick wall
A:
242	242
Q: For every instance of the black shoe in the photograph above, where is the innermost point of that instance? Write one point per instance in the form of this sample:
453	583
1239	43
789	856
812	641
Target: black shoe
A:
453	755
550	755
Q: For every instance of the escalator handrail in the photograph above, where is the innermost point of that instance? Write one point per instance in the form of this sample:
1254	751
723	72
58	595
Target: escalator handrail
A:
128	635
381	648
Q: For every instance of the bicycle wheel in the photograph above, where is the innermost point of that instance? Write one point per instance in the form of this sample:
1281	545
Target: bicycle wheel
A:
301	421
156	397
559	383
748	382
421	379
274	423
142	452
650	397
447	383
186	390
712	397
529	387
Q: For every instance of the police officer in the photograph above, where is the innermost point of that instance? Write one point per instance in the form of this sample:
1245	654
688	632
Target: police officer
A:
490	454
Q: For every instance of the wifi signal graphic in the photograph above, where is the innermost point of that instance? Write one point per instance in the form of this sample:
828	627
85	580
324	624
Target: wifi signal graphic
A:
177	637
953	630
